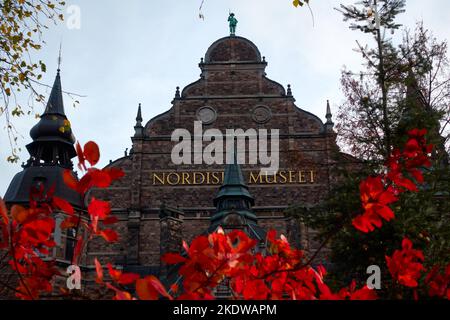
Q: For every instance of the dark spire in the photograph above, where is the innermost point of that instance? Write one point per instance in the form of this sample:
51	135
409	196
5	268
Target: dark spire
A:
139	116
138	128
329	124
329	115
55	104
177	93
234	196
51	153
53	126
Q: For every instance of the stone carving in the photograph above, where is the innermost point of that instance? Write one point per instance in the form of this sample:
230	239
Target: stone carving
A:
206	115
262	114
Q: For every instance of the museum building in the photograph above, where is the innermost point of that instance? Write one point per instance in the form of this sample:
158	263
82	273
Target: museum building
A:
159	203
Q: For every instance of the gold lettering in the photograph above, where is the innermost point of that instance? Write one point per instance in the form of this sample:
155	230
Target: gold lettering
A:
160	180
274	179
186	178
283	177
169	180
216	179
301	177
291	177
196	174
255	179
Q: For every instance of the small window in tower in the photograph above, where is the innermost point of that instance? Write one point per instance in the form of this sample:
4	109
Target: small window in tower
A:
71	241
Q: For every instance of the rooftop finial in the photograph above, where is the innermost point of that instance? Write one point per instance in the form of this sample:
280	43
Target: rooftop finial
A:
289	90
60	56
138	128
232	23
177	93
139	116
329	116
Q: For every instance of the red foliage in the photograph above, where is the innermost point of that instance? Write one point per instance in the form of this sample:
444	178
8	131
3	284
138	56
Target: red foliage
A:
28	238
234	259
28	235
99	211
377	193
439	283
91	153
406	265
277	274
375	201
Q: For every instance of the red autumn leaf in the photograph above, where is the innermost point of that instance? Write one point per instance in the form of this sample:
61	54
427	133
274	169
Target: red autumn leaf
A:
70	222
3	212
174	288
40	229
173	258
110	220
109	235
99	178
98	208
363	294
99	271
81	159
256	290
91	153
375	199
128	278
4	236
185	246
146	291
114	173
85	184
120	295
438	283
63	205
115	274
406	265
417	174
77	250
70	180
121	278
417	133
19	213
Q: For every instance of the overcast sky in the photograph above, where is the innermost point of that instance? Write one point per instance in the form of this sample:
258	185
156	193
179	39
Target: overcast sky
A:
138	51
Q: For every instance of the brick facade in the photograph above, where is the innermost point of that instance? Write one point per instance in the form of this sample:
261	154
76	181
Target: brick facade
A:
234	85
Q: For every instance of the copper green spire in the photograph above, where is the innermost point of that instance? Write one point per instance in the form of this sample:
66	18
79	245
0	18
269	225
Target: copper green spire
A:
234	196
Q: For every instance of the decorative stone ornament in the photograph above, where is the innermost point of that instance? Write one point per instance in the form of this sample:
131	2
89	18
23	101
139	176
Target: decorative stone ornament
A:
206	115
262	114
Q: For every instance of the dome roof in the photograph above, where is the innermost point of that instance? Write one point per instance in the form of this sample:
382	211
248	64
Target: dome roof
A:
52	128
54	125
49	176
233	49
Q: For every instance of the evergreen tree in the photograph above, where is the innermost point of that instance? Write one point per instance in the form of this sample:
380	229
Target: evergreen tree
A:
403	87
